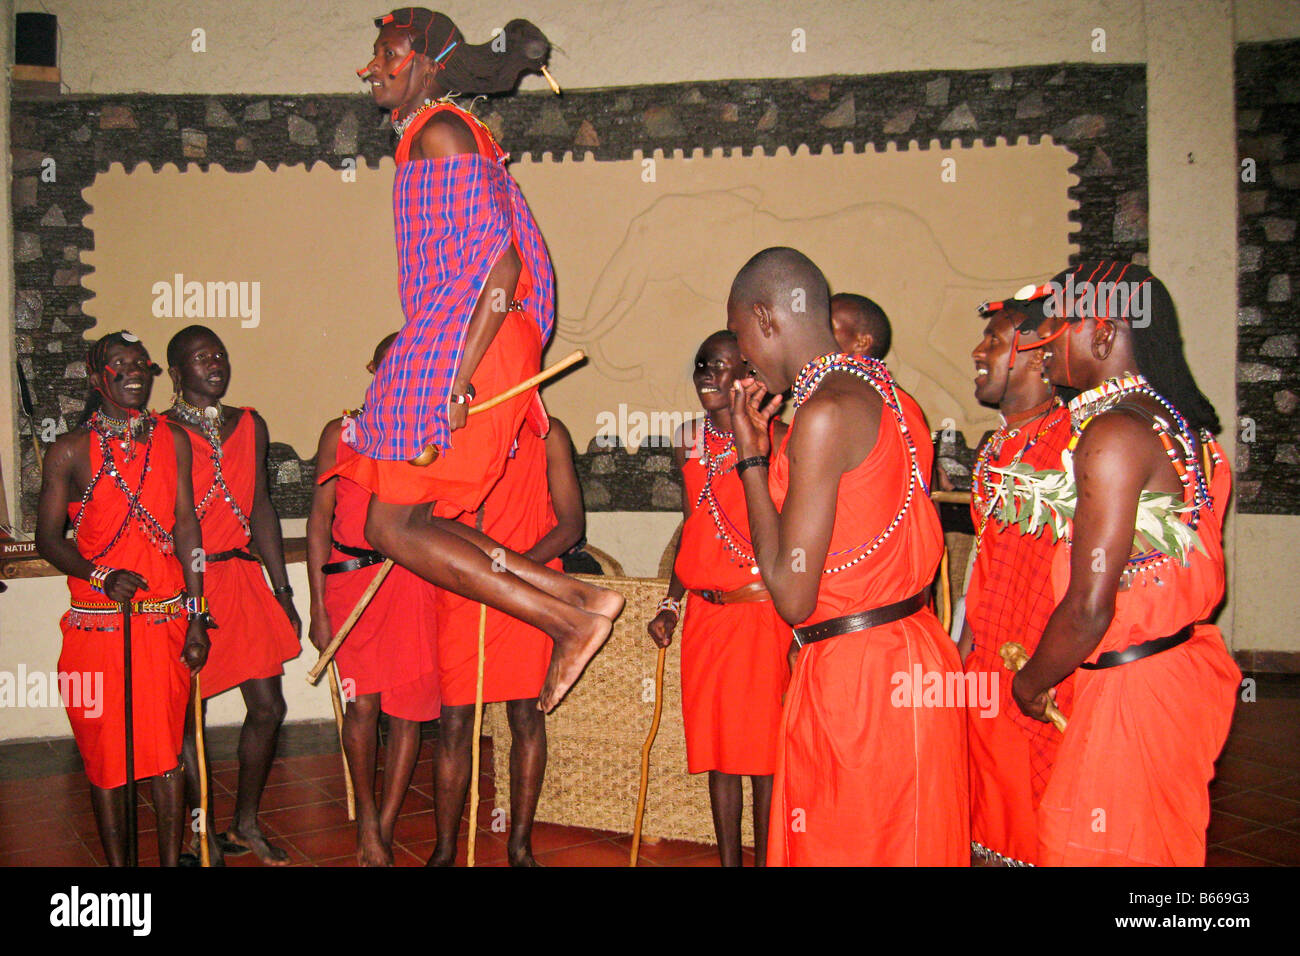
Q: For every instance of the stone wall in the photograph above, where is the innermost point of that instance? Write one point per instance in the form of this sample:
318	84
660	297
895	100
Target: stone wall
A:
60	144
1268	278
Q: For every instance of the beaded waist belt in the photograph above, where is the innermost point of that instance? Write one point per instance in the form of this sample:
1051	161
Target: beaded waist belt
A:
95	615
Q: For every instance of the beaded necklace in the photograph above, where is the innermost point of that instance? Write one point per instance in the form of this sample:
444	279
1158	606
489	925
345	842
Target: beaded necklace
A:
208	422
124	429
1087	405
985	495
153	529
401	126
874	373
731	535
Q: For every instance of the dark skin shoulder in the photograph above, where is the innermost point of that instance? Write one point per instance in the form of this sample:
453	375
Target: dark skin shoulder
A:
1116	459
446	134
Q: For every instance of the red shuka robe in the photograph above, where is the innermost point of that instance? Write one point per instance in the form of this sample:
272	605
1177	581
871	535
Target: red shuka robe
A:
734	668
253	637
862	779
92	643
392	650
517	513
1010	599
1131	782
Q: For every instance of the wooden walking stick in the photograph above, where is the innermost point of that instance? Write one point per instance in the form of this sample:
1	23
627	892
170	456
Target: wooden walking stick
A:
475	758
336	698
205	852
645	755
945	585
427	457
132	830
1015	657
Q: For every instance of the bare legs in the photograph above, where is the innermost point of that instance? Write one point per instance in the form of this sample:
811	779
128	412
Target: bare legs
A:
726	798
375	823
169	803
451	769
266	709
577	616
264	701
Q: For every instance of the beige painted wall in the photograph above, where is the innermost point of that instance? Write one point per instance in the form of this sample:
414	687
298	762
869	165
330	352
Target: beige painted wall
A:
644	267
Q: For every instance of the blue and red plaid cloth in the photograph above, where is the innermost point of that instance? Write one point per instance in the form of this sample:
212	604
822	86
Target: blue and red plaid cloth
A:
454	218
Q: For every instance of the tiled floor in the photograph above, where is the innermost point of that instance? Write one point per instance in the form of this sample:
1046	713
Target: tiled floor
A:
46	820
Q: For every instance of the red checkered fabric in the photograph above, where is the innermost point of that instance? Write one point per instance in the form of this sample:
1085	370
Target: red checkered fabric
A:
454	218
1010	593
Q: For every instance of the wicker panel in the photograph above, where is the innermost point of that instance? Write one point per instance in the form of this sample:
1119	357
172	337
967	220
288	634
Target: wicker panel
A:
595	738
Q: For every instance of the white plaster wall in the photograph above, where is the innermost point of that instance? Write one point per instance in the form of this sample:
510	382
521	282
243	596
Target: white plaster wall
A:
300	46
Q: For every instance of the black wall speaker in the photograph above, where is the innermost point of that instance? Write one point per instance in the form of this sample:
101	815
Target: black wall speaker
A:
36	39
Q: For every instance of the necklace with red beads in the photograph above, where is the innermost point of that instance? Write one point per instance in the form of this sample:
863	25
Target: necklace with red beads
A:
723	447
107	429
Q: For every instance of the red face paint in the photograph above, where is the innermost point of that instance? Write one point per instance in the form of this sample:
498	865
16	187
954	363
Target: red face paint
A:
402	66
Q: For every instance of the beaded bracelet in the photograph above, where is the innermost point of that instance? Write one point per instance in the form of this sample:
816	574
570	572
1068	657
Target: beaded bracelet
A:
757	461
99	577
196	606
668	604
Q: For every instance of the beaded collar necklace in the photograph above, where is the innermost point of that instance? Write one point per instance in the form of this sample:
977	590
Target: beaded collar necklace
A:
984	494
126	429
401	126
208	421
101	427
1087	405
874	373
732	536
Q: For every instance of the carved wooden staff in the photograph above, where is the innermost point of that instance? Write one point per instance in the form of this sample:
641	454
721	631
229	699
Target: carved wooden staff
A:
205	853
336	698
132	832
475	757
313	675
1014	656
645	755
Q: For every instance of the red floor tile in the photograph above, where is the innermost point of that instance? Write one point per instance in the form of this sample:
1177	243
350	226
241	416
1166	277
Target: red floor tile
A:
317	816
1261	807
66	854
1276	846
598	853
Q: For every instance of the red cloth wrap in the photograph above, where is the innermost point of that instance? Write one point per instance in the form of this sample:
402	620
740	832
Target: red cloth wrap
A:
253	637
392	650
1010	599
734	668
517	513
860	781
1143	737
160	681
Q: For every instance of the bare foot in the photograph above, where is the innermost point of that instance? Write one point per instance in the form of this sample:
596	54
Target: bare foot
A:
570	656
607	603
371	849
522	858
441	859
255	841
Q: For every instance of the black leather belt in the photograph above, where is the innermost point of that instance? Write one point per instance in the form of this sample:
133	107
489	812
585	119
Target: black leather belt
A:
361	558
241	553
862	620
1139	651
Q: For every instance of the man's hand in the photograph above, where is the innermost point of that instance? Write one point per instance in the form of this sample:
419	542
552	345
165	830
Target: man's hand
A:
195	652
457	415
319	631
1031	706
291	612
752	409
662	627
121	585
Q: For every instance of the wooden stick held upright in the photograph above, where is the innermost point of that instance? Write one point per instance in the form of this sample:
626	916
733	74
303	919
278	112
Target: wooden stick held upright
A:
336	698
573	358
645	755
132	829
475	758
205	852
